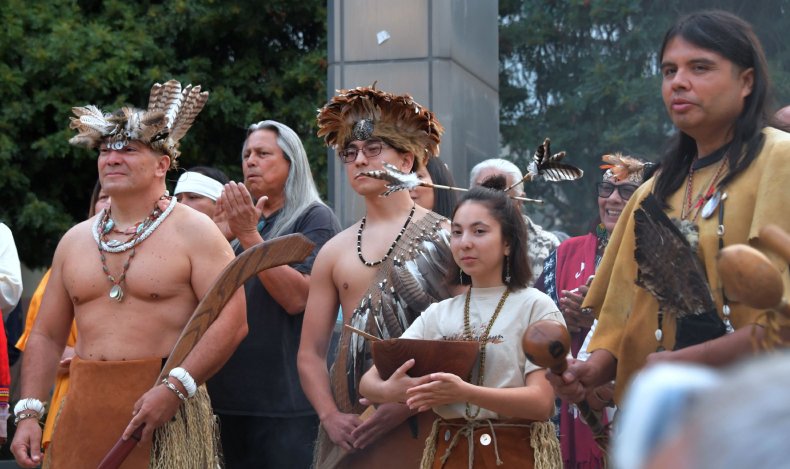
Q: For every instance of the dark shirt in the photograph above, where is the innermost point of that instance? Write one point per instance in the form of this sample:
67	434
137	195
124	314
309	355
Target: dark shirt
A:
261	379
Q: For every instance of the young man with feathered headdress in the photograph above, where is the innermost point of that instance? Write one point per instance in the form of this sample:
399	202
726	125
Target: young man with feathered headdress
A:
394	270
131	276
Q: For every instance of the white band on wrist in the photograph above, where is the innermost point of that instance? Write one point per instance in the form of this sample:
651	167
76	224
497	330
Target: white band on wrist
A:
186	380
29	403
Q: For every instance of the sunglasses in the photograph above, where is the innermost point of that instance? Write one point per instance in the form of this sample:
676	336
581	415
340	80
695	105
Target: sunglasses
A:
605	189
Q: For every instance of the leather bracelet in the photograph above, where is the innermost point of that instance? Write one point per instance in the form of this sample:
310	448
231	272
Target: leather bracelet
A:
173	388
25	416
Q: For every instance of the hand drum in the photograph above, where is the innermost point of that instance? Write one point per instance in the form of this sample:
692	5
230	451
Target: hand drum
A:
430	356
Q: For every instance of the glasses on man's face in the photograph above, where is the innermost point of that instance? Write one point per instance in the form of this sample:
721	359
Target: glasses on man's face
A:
370	150
605	189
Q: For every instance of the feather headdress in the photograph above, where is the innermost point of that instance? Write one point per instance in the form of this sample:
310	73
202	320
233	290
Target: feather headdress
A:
620	167
366	112
170	113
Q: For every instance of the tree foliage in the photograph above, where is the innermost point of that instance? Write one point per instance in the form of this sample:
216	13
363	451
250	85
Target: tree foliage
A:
585	74
259	60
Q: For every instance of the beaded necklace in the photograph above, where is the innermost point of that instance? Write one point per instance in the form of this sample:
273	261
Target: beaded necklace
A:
392	246
691	206
483	342
104	224
142	230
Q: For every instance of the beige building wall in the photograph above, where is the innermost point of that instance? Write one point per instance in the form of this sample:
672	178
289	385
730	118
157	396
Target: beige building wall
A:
442	52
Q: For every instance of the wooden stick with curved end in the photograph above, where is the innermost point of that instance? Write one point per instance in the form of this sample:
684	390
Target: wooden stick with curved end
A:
748	276
546	344
278	251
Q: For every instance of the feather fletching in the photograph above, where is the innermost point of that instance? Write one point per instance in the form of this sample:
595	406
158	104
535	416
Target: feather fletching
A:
397	180
548	167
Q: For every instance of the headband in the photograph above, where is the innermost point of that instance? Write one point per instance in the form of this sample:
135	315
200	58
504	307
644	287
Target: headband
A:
199	184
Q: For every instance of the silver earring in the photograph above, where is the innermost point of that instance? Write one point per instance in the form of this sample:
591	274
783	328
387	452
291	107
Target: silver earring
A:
507	271
461	276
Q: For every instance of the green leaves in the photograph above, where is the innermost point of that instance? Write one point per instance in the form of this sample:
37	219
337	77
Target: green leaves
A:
259	60
584	73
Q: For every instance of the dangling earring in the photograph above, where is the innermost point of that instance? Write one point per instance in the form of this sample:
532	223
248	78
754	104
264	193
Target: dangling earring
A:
461	276
507	271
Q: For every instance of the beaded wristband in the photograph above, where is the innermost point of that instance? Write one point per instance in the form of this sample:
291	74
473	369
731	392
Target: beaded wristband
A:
173	388
186	380
25	416
29	403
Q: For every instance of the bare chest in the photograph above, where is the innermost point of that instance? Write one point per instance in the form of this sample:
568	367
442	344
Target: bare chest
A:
352	279
152	271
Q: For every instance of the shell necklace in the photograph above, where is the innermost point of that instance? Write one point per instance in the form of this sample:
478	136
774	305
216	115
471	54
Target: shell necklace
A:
392	246
104	224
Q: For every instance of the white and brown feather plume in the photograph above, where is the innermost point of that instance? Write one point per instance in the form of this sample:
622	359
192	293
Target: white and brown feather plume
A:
170	113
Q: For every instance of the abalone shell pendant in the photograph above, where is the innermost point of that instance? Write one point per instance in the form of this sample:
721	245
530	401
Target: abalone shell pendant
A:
108	226
711	204
116	293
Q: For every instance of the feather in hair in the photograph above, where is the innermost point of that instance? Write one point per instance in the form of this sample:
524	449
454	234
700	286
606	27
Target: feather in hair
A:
624	167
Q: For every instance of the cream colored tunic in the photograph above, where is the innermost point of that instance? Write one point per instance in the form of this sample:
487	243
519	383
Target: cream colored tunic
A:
627	314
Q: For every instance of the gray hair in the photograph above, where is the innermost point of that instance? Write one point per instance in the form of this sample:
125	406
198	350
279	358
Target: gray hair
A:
745	421
504	166
300	191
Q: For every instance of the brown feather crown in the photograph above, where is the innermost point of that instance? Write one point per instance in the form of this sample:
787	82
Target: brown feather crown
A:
623	168
366	112
170	113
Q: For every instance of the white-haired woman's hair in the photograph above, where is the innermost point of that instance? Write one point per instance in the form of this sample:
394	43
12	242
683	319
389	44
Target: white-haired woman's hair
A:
300	191
508	168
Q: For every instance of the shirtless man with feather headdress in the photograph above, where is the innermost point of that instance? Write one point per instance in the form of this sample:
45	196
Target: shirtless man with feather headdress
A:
395	270
130	299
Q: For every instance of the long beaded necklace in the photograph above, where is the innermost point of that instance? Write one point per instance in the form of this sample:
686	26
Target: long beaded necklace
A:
104	224
483	342
392	246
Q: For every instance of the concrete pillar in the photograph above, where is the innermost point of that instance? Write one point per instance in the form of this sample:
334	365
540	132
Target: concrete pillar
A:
442	52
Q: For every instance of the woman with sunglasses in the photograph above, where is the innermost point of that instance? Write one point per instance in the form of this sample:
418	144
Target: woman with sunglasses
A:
566	275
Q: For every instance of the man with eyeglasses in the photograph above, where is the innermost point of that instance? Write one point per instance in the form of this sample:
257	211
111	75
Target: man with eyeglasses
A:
383	271
265	419
721	181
